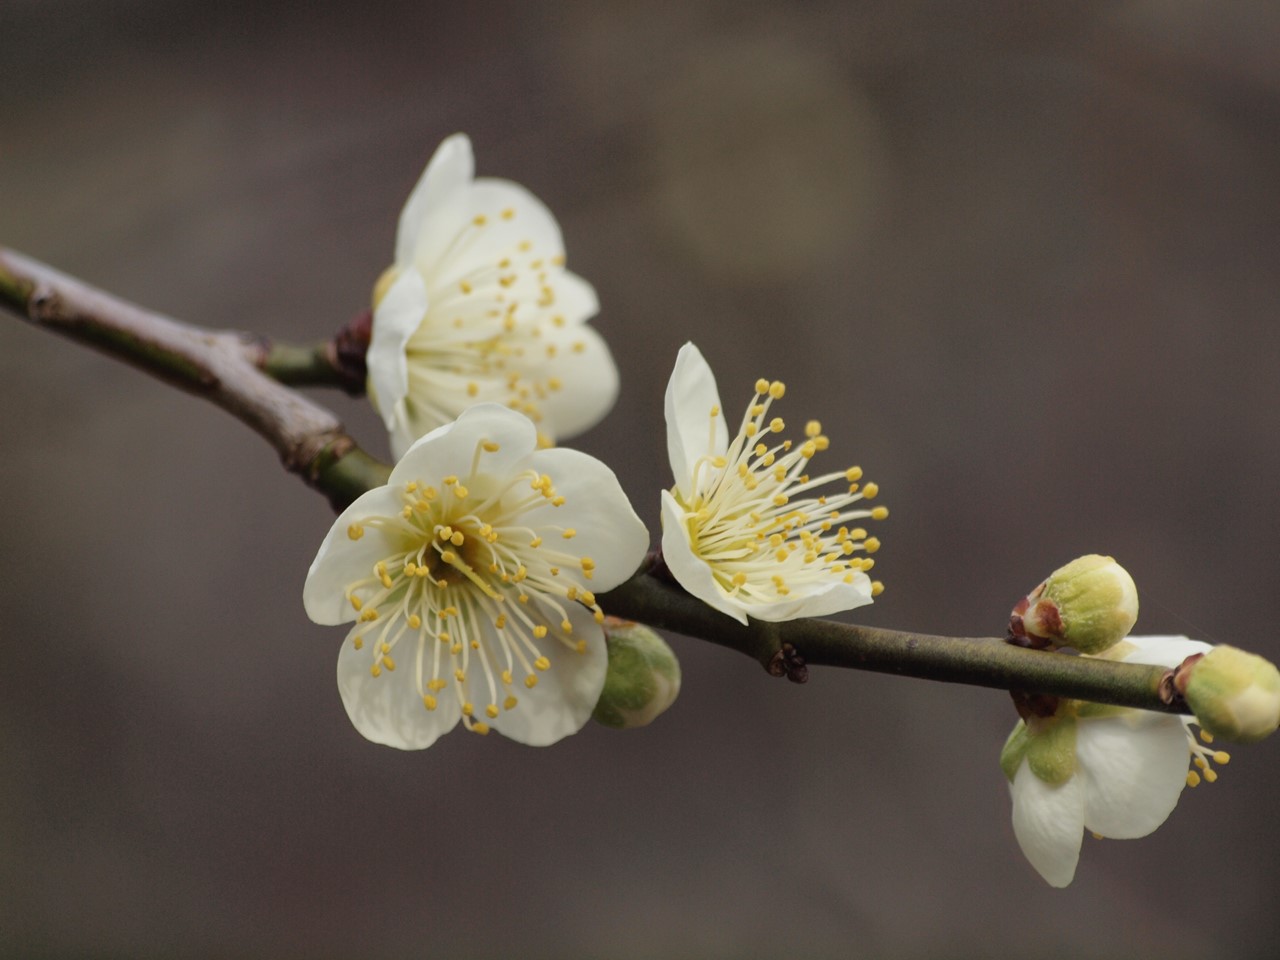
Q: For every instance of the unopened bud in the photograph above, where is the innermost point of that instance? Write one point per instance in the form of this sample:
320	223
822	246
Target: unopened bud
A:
1235	695
643	678
1090	604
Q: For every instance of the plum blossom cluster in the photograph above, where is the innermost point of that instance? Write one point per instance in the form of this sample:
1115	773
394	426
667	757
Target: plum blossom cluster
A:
473	580
470	579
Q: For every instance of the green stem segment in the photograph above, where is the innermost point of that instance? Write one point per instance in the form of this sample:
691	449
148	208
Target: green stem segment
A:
246	376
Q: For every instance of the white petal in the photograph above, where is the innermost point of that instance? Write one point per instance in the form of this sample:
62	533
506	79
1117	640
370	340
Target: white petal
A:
589	381
1134	767
450	449
515	225
691	395
566	694
1048	821
690	571
832	597
448	173
395	319
595	506
341	561
1162	651
388	709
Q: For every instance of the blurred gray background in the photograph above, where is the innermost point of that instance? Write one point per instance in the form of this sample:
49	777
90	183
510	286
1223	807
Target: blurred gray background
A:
1020	259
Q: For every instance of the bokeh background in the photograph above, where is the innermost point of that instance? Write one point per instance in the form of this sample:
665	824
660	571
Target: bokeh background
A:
1021	260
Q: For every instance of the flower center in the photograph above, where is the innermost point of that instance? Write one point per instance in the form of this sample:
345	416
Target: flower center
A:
756	515
471	589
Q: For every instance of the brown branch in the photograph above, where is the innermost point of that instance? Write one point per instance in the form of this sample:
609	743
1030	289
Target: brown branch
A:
220	366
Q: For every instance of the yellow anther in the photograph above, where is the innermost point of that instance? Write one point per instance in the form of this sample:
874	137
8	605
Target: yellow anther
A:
369	615
490	447
410	569
588	563
597	615
762	386
411	486
539	631
407	512
879	513
780	500
1193	779
437	685
570	533
473	388
388	663
877	588
457	539
444	637
566	626
429	702
449	557
501	622
1200	762
587	597
853	474
356	602
867	563
450	480
386	581
415	621
571	593
1221	756
531	681
429	493
509	703
557	501
809	450
581	645
542	663
468	709
357	642
870	490
812	429
460	676
491	711
456	649
465	287
480	728
535	542
375	670
461	491
872	544
776	425
480	220
739	579
777	389
822	442
508	213
355	531
554	383
1206	736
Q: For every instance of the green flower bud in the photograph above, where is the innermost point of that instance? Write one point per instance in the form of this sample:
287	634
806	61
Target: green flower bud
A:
1090	604
1048	744
643	678
1235	695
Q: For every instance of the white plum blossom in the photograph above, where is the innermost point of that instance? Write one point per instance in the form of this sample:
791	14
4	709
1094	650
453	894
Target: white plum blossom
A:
1113	771
479	307
746	529
471	578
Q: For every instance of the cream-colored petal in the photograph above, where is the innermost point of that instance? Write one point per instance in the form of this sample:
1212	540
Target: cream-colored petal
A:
448	175
1134	767
1161	651
691	430
691	571
341	561
395	320
1048	821
450	450
832	596
588	380
388	709
489	222
566	694
595	507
